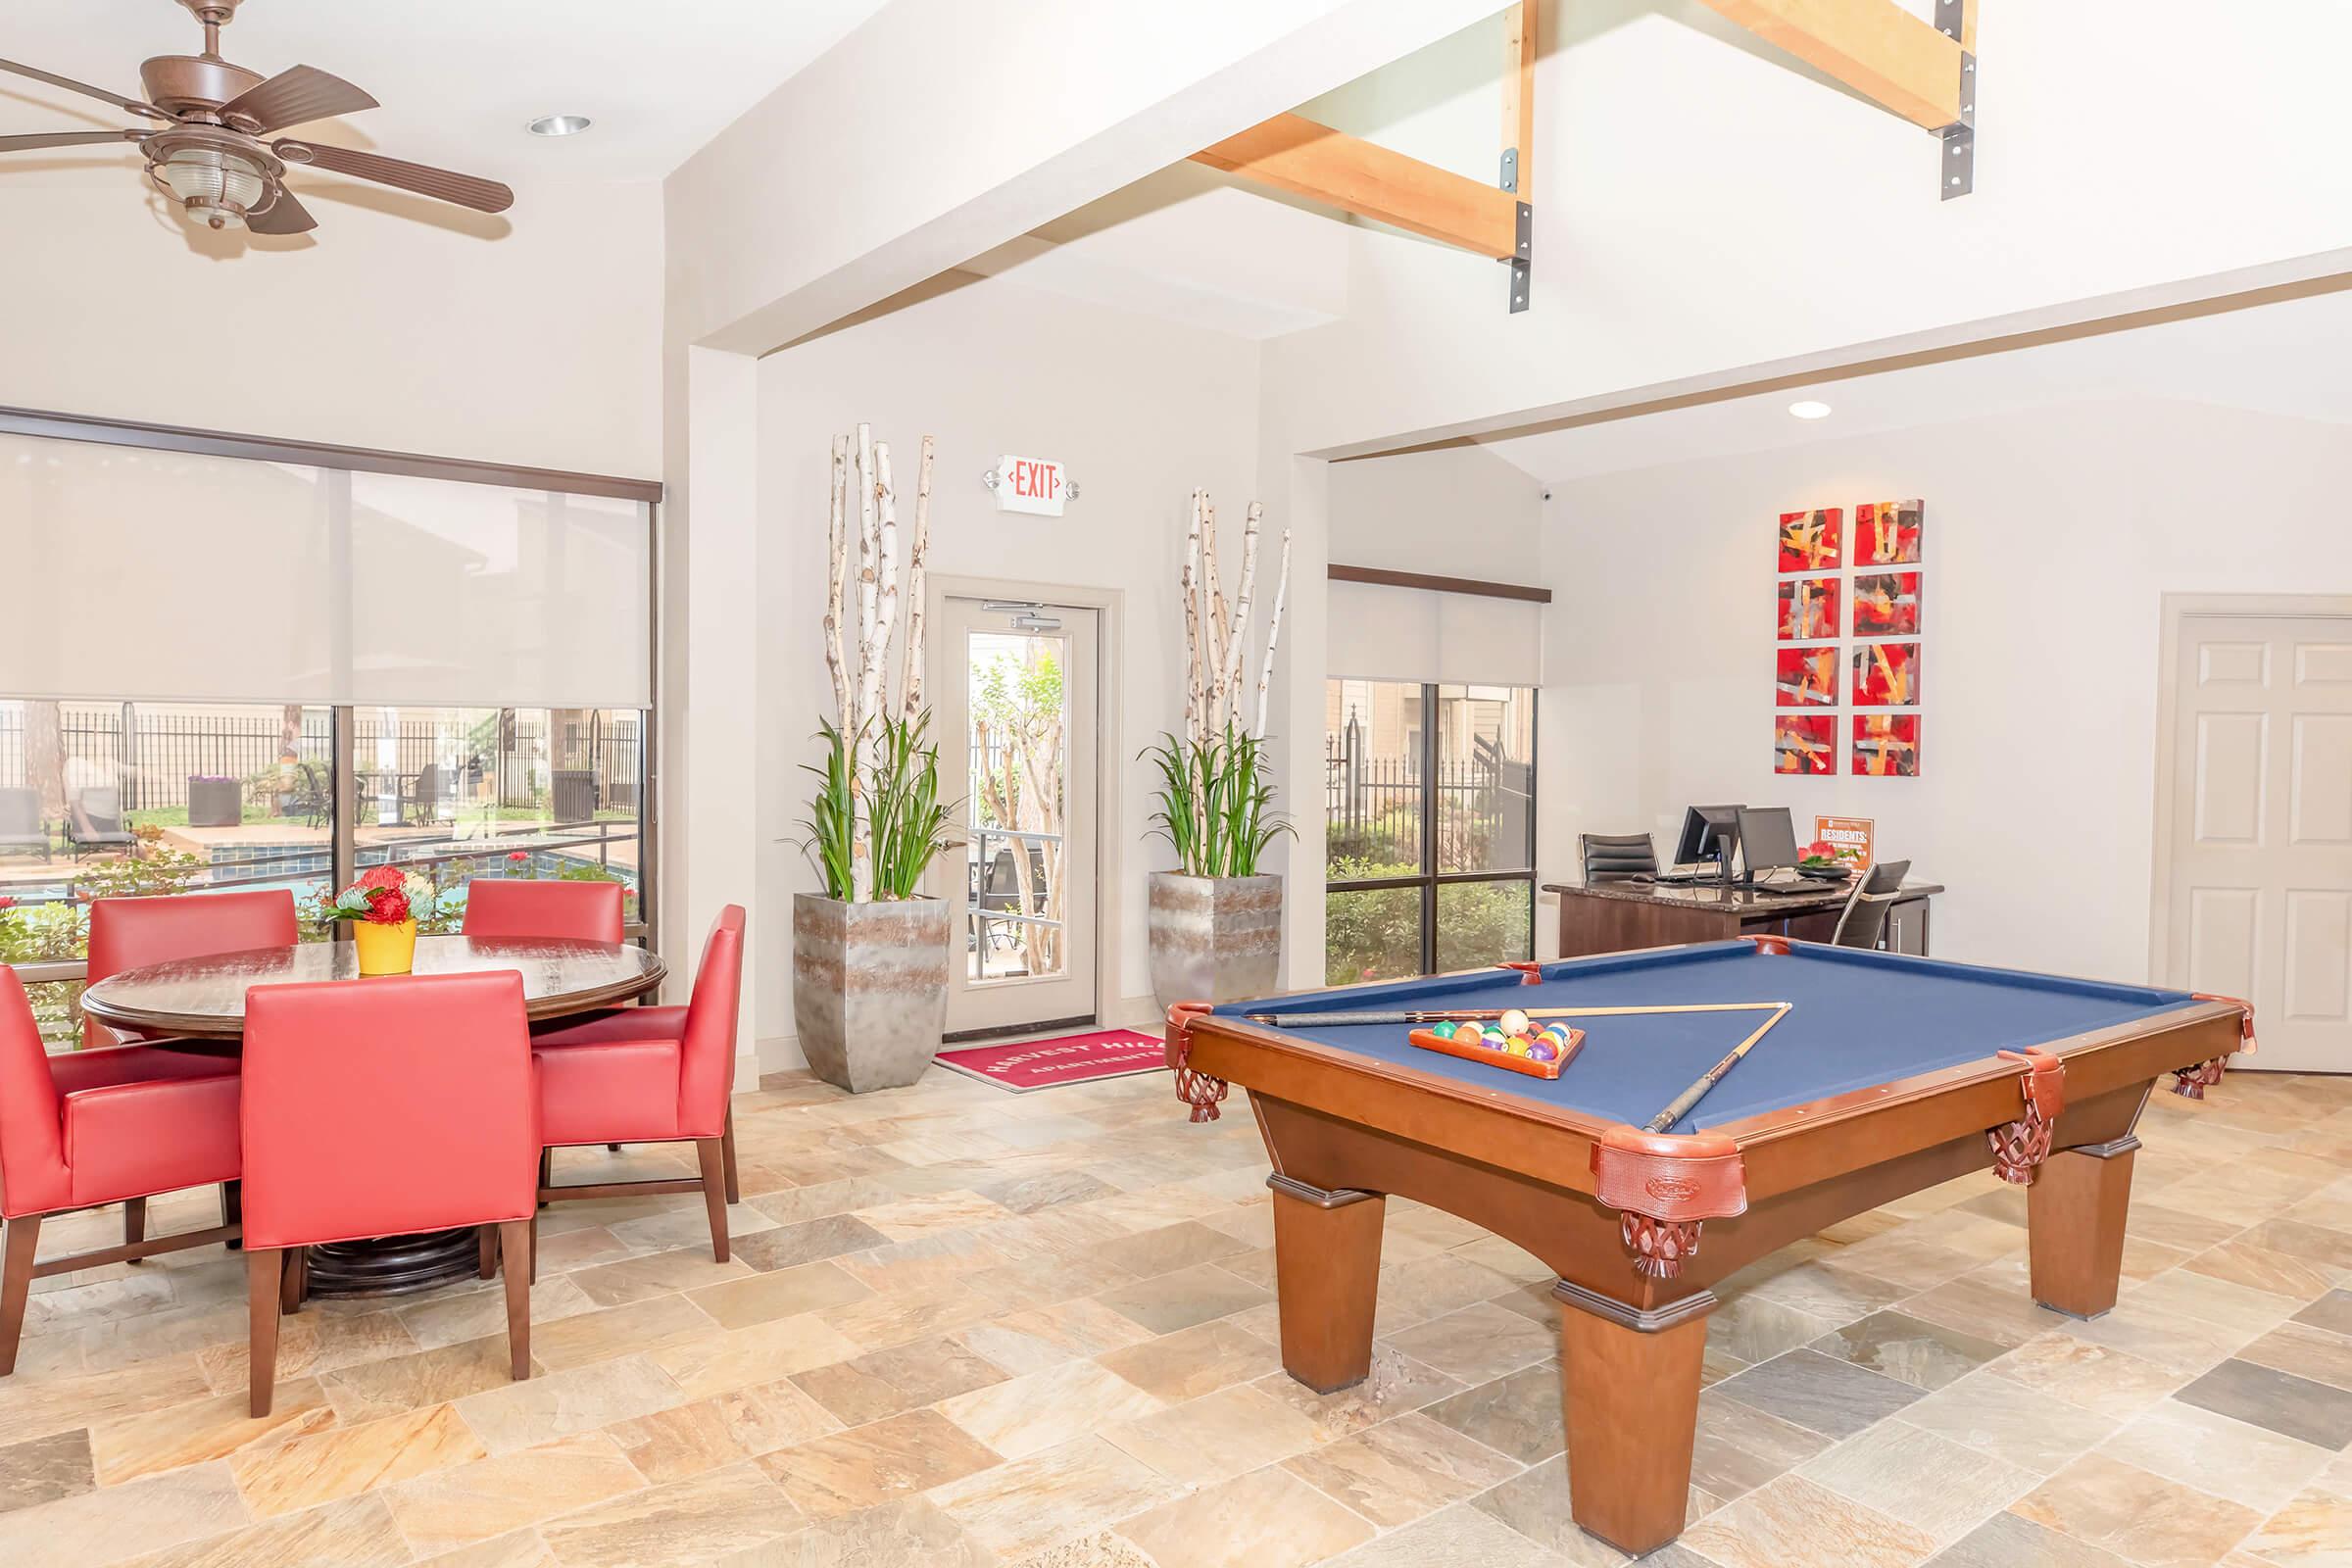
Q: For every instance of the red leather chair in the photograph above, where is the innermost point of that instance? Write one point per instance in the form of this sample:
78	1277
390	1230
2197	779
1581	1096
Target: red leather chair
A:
132	933
114	1125
384	1107
644	1075
585	912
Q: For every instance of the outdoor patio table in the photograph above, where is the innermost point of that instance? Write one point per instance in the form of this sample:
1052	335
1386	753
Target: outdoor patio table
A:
200	1003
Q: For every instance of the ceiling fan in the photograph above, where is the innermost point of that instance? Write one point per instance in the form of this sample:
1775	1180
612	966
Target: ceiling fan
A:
207	153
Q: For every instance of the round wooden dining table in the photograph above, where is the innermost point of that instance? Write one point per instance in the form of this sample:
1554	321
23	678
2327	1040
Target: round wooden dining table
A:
197	1005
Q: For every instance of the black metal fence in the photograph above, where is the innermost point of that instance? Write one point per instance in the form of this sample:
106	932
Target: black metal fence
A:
1372	806
151	756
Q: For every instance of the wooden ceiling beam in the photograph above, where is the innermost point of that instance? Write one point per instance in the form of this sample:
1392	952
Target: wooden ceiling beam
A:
1519	27
1293	154
1877	48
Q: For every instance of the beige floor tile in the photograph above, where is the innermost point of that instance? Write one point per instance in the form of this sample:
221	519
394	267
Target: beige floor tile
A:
99	1528
2230	1458
2135	1514
304	1471
1194	1361
1754	1327
883	1383
2205	1298
636	1329
695	1520
1030	1504
1792	1520
2313	1531
1427	1288
2111	1382
787	1292
1169	1248
2262	1269
930	1215
913	1532
1981	1412
511	1491
900	1317
1986	1309
354	1533
522	1548
688	1225
313	1341
1739	1447
1216	1437
688	1439
1041	1410
1517	1415
881	1462
1478	1342
1268	1519
1924	1481
729	1359
214	1428
522	1415
1036	1338
375	1389
479	1311
1166	1302
1395	1385
1400	1470
36	1408
2306	1351
635	1279
938	1263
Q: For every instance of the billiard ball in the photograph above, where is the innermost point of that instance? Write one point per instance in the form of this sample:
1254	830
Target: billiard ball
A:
1541	1051
1443	1031
1512	1022
1517	1045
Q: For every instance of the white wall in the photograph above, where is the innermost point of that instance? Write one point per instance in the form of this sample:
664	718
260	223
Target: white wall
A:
2050	537
1141	409
1459	512
538	348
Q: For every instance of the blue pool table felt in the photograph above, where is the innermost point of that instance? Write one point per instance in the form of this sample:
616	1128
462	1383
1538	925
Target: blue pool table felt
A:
1858	1019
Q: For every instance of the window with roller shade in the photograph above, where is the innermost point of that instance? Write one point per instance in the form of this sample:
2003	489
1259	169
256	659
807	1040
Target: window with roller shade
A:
237	670
1428	782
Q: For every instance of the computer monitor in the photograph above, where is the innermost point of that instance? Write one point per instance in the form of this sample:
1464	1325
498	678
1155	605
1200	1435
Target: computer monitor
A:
1767	838
1708	834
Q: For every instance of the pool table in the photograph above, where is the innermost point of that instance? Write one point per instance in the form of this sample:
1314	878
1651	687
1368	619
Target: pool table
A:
1888	1074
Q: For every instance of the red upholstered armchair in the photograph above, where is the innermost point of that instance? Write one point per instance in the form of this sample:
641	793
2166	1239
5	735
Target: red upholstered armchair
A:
133	933
385	1107
113	1125
654	1075
583	911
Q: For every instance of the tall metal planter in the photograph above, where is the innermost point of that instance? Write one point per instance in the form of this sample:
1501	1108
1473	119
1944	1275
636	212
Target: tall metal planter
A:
1213	937
869	987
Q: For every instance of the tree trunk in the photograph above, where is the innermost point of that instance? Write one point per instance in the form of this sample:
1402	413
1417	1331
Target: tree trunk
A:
45	755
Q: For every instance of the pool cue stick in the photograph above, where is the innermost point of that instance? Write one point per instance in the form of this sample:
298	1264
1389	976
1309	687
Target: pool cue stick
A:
1301	1020
1711	1077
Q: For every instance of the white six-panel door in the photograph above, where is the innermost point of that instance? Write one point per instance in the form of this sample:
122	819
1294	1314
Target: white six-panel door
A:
2259	895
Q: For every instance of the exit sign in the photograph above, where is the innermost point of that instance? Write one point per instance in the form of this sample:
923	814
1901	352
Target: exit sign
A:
1037	486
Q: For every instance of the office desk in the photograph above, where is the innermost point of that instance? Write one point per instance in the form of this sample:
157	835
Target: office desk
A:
1616	917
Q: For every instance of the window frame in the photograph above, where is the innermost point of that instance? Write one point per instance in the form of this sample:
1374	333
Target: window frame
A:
344	844
1430	879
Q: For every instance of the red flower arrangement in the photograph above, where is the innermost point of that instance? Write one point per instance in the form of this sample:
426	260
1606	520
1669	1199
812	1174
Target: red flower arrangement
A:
384	894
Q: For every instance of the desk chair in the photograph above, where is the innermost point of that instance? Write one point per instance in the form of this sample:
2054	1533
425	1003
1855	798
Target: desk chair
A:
385	1107
1617	856
1862	923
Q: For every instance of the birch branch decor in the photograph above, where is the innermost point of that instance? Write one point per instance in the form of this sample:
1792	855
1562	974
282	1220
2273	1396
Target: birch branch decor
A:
876	806
1214	799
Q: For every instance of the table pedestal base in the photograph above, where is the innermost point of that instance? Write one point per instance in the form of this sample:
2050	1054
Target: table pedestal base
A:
394	1265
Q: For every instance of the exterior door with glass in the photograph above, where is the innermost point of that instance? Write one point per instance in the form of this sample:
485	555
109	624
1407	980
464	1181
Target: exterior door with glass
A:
1018	729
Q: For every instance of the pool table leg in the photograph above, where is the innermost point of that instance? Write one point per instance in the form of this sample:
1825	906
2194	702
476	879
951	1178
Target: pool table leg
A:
1628	1391
2075	1215
1327	1281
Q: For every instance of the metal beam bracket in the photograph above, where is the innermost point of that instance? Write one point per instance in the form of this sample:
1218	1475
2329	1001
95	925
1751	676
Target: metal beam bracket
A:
1956	159
1521	260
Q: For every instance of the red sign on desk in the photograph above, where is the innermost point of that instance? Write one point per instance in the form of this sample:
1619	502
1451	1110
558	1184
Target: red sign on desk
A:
1849	837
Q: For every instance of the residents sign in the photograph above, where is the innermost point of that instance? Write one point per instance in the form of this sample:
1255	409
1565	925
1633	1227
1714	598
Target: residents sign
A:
1037	486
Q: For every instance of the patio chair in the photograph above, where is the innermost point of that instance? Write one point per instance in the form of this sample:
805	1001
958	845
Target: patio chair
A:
422	802
1000	890
312	796
95	820
20	826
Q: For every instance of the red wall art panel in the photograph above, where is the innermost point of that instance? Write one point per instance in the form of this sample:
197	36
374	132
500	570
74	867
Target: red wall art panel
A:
1809	540
1806	677
1804	743
1887	533
1808	608
1885	604
1886	745
1886	676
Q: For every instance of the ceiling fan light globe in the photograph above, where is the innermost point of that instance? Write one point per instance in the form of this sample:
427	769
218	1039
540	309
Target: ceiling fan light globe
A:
216	186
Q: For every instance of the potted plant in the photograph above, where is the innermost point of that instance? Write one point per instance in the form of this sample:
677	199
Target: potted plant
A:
1213	925
383	908
869	953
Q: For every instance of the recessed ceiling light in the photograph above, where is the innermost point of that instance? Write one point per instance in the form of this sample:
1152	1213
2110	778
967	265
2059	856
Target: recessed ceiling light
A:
559	125
1809	410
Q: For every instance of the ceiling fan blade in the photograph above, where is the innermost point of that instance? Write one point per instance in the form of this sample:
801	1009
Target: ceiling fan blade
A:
284	216
482	195
294	97
135	105
67	138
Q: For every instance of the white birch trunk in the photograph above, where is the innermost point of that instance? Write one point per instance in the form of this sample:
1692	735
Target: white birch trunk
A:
1231	681
913	684
1265	672
1193	691
837	571
1213	621
869	666
886	614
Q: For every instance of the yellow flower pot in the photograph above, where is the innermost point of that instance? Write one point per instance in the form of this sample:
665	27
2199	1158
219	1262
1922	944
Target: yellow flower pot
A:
385	949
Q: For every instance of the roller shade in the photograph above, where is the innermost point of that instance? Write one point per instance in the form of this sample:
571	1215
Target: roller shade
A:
148	575
1382	633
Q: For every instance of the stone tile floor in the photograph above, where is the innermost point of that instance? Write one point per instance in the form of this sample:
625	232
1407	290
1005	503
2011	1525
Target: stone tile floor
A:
969	1328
